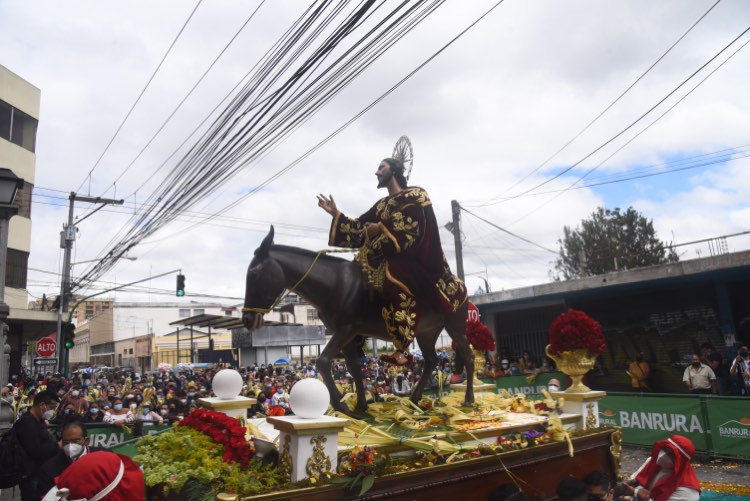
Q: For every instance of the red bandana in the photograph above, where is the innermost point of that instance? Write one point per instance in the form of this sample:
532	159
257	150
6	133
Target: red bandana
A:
682	474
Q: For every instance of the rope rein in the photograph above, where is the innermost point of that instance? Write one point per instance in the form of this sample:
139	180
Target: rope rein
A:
286	292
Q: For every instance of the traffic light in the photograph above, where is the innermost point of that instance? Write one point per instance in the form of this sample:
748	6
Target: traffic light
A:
69	336
180	285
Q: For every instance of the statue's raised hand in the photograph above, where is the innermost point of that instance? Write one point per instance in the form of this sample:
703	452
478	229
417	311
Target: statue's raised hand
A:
327	204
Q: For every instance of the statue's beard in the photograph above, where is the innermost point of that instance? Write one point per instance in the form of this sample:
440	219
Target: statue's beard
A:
384	179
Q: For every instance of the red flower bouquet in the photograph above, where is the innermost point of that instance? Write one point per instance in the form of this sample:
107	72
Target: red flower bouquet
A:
479	336
223	430
575	330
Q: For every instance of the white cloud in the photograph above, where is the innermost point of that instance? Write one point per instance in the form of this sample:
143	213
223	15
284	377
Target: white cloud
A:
481	116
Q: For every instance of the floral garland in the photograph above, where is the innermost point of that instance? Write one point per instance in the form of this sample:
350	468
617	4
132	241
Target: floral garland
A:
479	336
223	430
575	330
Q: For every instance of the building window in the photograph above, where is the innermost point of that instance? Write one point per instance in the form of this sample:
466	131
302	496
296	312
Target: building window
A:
17	127
6	112
184	312
16	267
228	312
312	315
199	311
23	200
130	351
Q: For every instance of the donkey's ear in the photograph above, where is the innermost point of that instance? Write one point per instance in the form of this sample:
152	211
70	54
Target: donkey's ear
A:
265	245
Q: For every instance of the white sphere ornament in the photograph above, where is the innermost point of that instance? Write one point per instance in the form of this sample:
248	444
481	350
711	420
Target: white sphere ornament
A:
227	384
309	398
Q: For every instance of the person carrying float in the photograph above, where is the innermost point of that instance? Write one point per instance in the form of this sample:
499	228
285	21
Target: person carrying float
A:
400	255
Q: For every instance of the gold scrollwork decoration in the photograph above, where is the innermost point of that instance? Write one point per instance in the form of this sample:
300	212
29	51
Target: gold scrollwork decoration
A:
285	461
616	449
318	464
590	416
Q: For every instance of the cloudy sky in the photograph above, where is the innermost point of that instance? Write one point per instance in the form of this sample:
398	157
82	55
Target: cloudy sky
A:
485	117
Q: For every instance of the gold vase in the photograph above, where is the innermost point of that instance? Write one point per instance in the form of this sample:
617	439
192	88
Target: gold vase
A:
575	364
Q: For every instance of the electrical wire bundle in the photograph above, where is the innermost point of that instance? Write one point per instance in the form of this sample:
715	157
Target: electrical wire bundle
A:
308	66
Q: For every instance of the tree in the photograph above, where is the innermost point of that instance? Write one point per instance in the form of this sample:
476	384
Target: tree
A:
610	240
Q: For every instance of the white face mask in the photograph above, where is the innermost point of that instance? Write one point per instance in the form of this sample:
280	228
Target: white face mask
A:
664	460
48	414
552	387
73	450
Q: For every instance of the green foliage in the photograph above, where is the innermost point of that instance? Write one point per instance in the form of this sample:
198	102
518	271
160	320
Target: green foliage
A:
610	240
188	462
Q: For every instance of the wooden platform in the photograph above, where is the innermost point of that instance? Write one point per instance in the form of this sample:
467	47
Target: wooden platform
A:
537	470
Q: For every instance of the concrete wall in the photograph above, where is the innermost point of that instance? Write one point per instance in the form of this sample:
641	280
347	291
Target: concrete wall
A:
19	93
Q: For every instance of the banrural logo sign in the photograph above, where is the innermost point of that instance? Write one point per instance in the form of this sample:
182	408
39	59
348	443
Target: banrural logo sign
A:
735	428
664	421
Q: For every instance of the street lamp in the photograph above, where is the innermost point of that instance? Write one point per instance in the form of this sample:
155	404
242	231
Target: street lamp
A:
129	258
9	186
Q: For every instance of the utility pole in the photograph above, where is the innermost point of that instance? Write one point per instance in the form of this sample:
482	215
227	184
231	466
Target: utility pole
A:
67	237
456	230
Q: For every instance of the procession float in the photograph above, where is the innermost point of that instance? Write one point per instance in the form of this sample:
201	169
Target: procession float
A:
434	448
337	445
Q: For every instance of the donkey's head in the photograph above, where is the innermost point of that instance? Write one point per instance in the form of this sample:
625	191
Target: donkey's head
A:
264	283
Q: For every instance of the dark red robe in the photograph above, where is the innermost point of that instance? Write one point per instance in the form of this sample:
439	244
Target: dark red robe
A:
405	262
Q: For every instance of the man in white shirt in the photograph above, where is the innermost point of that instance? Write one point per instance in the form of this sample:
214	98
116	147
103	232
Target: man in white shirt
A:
741	367
700	378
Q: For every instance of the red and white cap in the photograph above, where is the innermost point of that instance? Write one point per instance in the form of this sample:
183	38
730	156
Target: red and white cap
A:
99	476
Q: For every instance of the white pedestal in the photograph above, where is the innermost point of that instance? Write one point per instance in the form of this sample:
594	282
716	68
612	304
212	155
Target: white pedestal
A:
233	407
585	405
308	447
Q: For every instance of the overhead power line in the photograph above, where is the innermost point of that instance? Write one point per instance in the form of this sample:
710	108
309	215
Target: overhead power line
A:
610	105
241	136
508	232
138	99
637	120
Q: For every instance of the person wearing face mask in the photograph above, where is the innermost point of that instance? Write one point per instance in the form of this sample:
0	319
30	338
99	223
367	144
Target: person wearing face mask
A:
80	405
504	369
164	412
36	441
668	474
741	369
94	414
119	414
148	417
639	370
67	413
553	385
74	443
699	378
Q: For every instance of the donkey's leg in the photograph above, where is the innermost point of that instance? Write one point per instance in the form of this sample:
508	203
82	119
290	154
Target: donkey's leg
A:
354	366
323	365
427	344
456	327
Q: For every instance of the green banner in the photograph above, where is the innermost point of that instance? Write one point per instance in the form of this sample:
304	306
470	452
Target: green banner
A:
730	426
111	437
528	385
646	419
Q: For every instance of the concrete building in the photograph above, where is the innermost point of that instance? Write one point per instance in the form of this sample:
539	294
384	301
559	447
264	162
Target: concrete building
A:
665	311
293	330
138	328
19	118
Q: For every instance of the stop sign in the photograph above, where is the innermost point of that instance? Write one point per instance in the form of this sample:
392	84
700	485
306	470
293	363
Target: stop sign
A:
46	347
